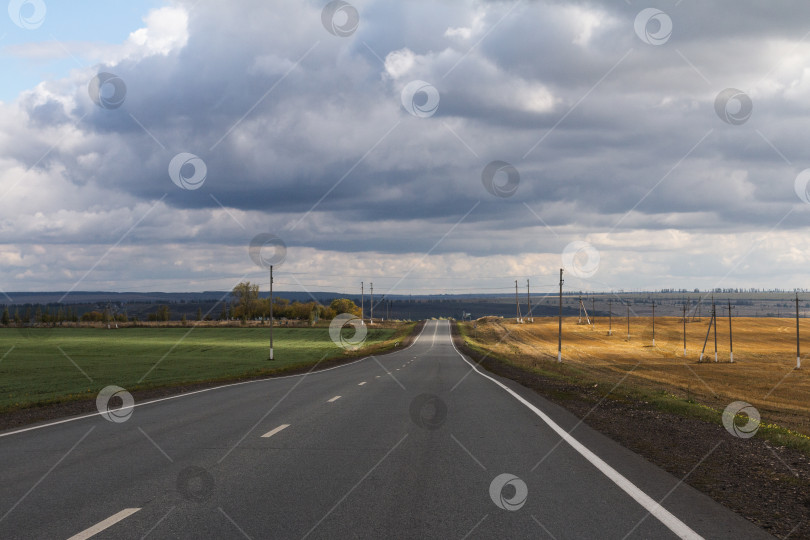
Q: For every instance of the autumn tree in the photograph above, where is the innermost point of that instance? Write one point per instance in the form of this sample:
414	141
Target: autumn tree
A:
247	297
344	305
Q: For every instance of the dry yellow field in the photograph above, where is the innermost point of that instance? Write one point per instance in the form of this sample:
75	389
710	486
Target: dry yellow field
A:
763	372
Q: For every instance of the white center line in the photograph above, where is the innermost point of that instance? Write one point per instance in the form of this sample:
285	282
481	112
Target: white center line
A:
334	399
106	524
276	430
361	384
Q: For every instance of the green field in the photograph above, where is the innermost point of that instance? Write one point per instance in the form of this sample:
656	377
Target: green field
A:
39	369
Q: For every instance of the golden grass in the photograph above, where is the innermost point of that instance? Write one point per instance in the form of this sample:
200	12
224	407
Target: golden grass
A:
762	374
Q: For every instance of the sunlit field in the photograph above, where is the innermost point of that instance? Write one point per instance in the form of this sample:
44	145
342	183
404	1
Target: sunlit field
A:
762	374
49	365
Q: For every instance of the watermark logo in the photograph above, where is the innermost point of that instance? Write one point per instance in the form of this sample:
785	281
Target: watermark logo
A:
581	259
801	186
267	250
744	410
340	18
420	99
501	169
187	171
428	411
107	90
195	483
733	106
109	397
336	331
27	14
653	26
513	502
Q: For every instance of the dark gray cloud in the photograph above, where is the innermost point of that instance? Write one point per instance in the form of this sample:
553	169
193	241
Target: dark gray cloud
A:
304	132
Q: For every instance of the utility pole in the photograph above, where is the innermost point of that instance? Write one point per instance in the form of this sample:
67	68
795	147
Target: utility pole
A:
628	322
708	331
271	312
371	305
610	315
593	312
730	338
517	304
529	303
559	322
684	330
653	323
798	356
362	304
580	310
714	318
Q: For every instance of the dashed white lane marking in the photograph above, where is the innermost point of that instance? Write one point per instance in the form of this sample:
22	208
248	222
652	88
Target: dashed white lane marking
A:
274	431
376	376
106	524
334	399
187	394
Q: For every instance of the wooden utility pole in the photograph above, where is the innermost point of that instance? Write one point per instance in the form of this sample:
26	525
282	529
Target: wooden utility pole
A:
362	304
684	330
559	322
610	316
271	312
371	305
593	312
517	304
653	343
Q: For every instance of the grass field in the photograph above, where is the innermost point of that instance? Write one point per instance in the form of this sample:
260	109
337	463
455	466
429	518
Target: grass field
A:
762	374
62	364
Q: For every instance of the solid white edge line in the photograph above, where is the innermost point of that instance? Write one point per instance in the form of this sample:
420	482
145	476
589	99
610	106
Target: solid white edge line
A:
361	384
106	524
186	394
275	430
334	399
681	529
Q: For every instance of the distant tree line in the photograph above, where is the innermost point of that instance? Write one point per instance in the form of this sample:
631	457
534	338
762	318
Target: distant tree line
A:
50	315
246	305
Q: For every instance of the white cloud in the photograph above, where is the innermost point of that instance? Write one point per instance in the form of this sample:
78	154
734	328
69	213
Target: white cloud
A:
399	63
279	128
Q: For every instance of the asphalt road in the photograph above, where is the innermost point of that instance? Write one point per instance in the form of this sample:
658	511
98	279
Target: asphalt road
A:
412	444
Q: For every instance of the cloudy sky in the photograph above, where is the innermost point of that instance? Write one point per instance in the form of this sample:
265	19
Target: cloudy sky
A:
422	146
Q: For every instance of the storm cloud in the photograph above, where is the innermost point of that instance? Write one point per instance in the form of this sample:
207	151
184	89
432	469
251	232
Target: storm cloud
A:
611	122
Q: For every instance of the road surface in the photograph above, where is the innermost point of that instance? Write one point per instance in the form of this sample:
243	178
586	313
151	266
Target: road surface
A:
412	444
